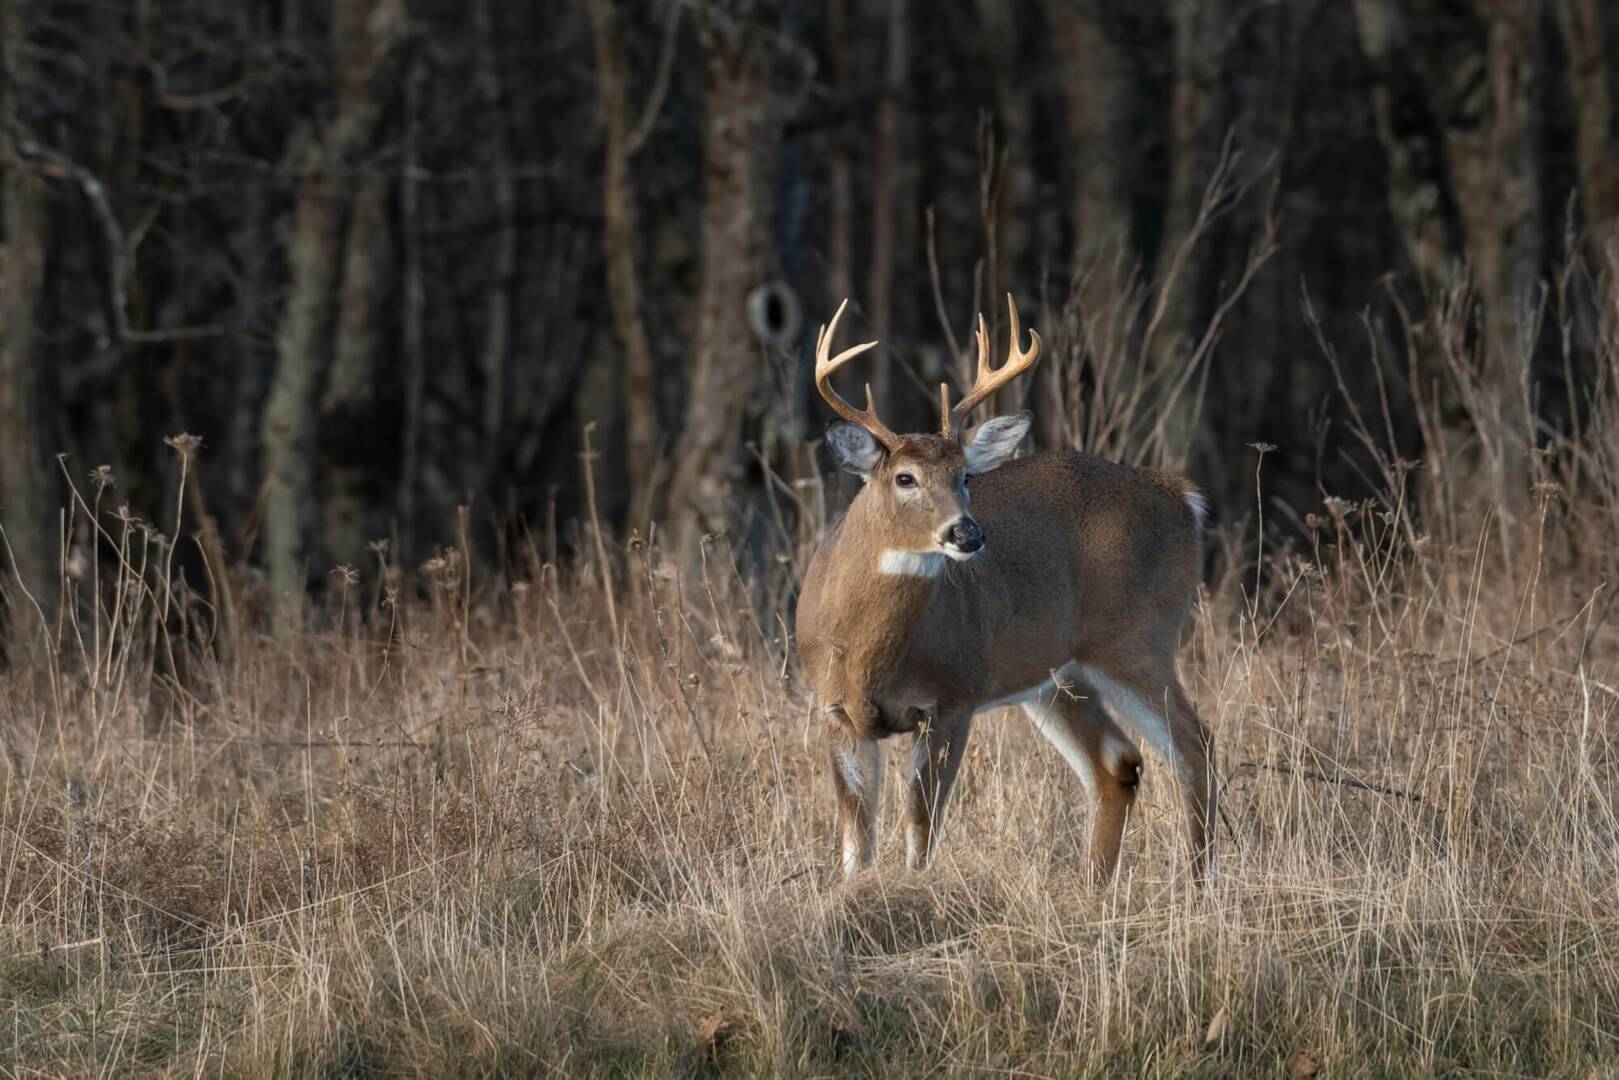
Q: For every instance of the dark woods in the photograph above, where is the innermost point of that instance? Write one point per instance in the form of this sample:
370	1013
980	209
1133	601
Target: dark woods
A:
392	257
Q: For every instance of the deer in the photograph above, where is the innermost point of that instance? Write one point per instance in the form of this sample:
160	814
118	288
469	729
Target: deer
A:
963	578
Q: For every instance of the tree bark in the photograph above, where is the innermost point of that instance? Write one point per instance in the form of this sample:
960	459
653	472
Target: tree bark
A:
1474	69
1096	96
1417	195
620	232
1587	30
840	174
1007	238
1186	266
140	398
740	132
1098	102
884	184
1498	192
495	359
25	221
348	408
288	418
412	316
363	32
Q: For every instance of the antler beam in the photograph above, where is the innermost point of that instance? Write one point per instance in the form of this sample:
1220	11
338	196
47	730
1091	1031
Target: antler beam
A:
826	364
1018	360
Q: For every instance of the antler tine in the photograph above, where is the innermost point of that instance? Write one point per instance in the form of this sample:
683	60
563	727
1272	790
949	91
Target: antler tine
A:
1018	360
826	364
983	350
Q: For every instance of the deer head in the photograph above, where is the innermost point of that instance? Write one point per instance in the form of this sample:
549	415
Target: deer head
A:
918	493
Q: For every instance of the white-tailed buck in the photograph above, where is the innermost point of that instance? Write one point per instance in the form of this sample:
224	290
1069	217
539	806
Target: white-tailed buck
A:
961	580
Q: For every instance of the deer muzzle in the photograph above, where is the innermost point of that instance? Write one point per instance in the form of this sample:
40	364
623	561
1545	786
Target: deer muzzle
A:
961	538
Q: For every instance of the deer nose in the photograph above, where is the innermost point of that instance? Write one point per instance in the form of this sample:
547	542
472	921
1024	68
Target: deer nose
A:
963	534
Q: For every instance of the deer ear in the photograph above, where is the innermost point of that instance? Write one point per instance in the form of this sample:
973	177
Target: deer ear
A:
995	441
853	448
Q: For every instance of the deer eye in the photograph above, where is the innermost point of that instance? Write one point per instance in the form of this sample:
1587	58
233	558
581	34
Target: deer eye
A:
904	480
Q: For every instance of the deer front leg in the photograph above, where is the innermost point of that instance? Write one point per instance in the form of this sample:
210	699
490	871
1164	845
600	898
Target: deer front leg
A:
935	759
857	777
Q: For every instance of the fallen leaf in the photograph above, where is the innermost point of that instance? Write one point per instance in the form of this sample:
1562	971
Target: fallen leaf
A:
713	1031
1302	1066
1217	1028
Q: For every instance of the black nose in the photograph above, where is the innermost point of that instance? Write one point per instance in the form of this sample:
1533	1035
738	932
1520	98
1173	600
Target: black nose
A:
965	535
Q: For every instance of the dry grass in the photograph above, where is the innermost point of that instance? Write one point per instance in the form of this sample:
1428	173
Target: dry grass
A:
482	836
499	826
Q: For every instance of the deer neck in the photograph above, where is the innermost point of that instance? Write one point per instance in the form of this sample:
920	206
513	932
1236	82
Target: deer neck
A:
886	593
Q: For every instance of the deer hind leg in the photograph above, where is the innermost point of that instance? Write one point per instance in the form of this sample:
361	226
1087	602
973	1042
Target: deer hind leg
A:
1103	757
857	777
936	755
1156	709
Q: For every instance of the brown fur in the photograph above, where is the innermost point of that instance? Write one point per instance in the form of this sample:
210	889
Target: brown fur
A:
1086	562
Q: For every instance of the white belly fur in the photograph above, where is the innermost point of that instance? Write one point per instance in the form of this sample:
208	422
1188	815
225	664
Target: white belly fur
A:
1126	708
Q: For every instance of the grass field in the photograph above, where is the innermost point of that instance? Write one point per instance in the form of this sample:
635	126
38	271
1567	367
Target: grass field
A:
556	820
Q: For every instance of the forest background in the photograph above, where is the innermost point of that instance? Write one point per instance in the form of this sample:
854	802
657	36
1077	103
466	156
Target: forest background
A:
386	258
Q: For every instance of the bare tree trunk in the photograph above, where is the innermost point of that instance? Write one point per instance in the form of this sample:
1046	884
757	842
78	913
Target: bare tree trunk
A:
25	221
288	420
1498	192
623	283
740	134
840	176
883	197
1198	120
247	395
348	408
1197	113
1014	208
363	31
495	359
1096	94
1586	33
412	316
1476	67
140	398
1097	99
1416	186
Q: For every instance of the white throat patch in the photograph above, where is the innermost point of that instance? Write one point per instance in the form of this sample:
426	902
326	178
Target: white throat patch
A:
901	563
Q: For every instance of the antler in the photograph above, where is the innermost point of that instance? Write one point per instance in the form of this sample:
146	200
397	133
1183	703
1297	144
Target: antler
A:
1017	362
825	365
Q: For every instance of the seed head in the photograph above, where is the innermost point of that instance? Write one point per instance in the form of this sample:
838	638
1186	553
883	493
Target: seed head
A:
184	442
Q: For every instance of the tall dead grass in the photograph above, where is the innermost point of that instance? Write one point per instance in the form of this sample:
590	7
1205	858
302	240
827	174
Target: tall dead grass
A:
471	819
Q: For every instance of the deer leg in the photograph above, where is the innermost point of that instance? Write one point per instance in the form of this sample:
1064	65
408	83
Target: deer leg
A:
857	777
1194	747
1103	757
1156	709
936	754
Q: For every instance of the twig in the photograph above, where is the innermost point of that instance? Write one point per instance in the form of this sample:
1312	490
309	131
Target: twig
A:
660	83
938	295
120	248
1345	781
